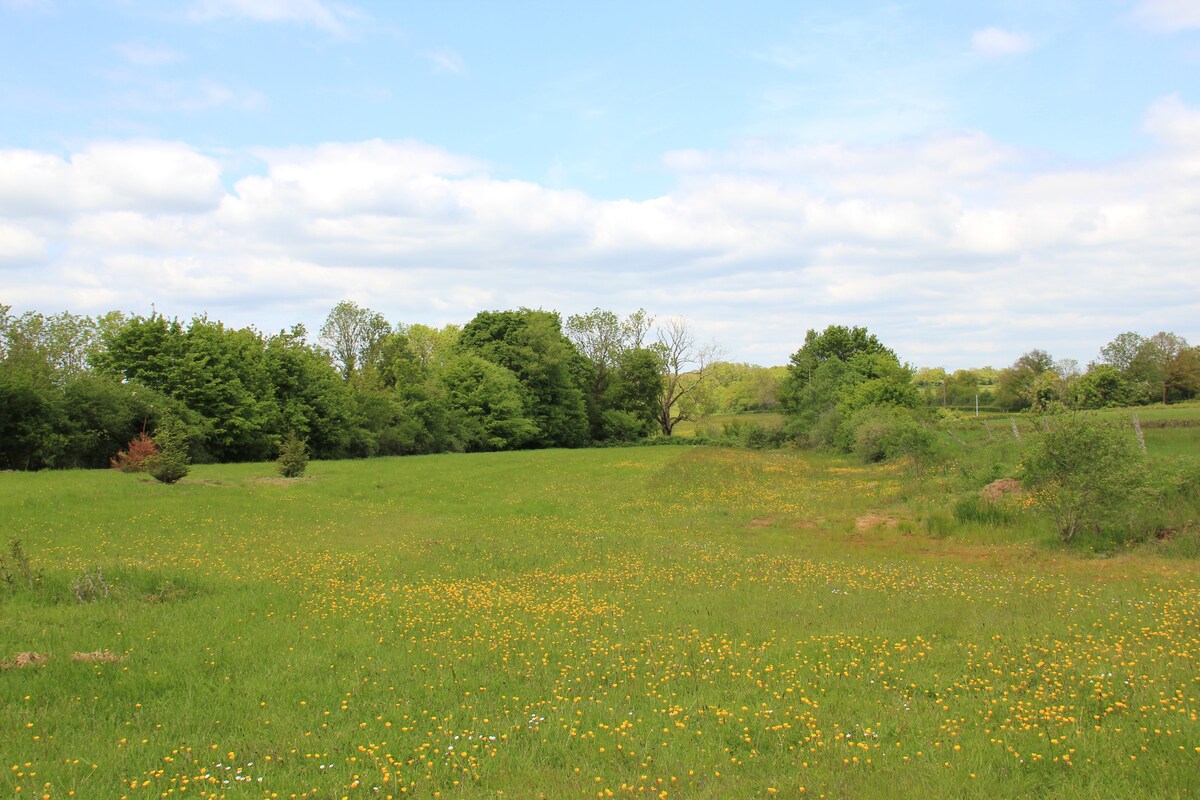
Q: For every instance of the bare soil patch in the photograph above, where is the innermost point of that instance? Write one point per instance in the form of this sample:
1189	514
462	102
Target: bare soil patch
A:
23	660
998	489
869	521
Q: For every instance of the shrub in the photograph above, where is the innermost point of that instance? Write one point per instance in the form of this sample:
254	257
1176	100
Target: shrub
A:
171	462
16	573
878	433
293	456
134	459
746	433
1086	473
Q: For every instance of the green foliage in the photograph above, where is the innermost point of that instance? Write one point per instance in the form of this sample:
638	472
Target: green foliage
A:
531	345
487	399
1086	473
751	434
171	463
835	380
293	456
353	335
879	433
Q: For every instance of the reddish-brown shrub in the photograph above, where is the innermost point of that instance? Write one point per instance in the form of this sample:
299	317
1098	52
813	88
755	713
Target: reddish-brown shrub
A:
134	459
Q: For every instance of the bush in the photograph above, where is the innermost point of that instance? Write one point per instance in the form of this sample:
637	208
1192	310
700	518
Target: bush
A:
171	462
293	456
879	433
1087	474
134	459
746	433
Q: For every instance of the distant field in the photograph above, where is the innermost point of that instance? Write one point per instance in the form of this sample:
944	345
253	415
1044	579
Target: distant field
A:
717	421
666	622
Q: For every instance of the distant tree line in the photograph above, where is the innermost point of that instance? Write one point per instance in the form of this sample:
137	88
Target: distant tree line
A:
1131	370
75	390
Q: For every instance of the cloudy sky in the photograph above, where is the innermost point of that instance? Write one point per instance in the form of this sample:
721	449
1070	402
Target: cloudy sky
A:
968	180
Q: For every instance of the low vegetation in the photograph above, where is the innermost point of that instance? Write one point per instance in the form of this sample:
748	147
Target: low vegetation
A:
683	621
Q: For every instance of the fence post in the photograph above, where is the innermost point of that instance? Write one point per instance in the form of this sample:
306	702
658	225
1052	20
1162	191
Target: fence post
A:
1137	427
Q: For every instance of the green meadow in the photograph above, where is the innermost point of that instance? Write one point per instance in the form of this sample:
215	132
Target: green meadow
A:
630	622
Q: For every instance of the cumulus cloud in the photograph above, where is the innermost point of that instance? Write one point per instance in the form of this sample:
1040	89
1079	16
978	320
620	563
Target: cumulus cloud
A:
955	248
1168	15
109	176
996	42
19	247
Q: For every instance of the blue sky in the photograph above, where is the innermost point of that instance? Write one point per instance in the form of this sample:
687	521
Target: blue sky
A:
968	180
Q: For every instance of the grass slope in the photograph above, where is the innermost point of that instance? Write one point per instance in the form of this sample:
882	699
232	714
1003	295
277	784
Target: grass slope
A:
666	622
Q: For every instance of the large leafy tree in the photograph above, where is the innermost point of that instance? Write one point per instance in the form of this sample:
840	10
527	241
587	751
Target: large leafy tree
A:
531	345
219	375
607	342
353	335
488	404
836	372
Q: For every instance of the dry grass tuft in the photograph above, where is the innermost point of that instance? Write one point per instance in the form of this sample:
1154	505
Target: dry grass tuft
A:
99	656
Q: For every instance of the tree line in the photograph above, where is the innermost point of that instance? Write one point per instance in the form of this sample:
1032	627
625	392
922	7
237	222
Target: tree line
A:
1131	370
75	390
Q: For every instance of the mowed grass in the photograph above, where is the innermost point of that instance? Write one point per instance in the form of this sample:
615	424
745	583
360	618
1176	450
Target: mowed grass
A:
665	622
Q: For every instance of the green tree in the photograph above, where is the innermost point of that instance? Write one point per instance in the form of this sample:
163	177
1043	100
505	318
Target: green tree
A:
309	396
171	463
836	373
293	456
352	334
1029	383
631	403
1103	386
1086	473
531	345
488	405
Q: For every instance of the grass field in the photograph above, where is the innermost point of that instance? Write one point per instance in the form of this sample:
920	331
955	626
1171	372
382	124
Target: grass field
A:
666	622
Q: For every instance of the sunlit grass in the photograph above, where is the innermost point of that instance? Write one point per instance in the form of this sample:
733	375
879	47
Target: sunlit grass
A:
632	622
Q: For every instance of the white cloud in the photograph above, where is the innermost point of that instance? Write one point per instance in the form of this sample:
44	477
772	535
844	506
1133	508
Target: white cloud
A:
446	61
1168	15
330	17
19	247
145	55
955	248
108	176
1171	121
996	42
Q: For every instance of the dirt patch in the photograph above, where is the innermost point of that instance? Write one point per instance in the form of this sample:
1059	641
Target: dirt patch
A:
869	521
804	525
99	656
23	660
761	522
998	489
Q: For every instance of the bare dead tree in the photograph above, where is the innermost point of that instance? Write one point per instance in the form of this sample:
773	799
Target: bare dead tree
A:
686	367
